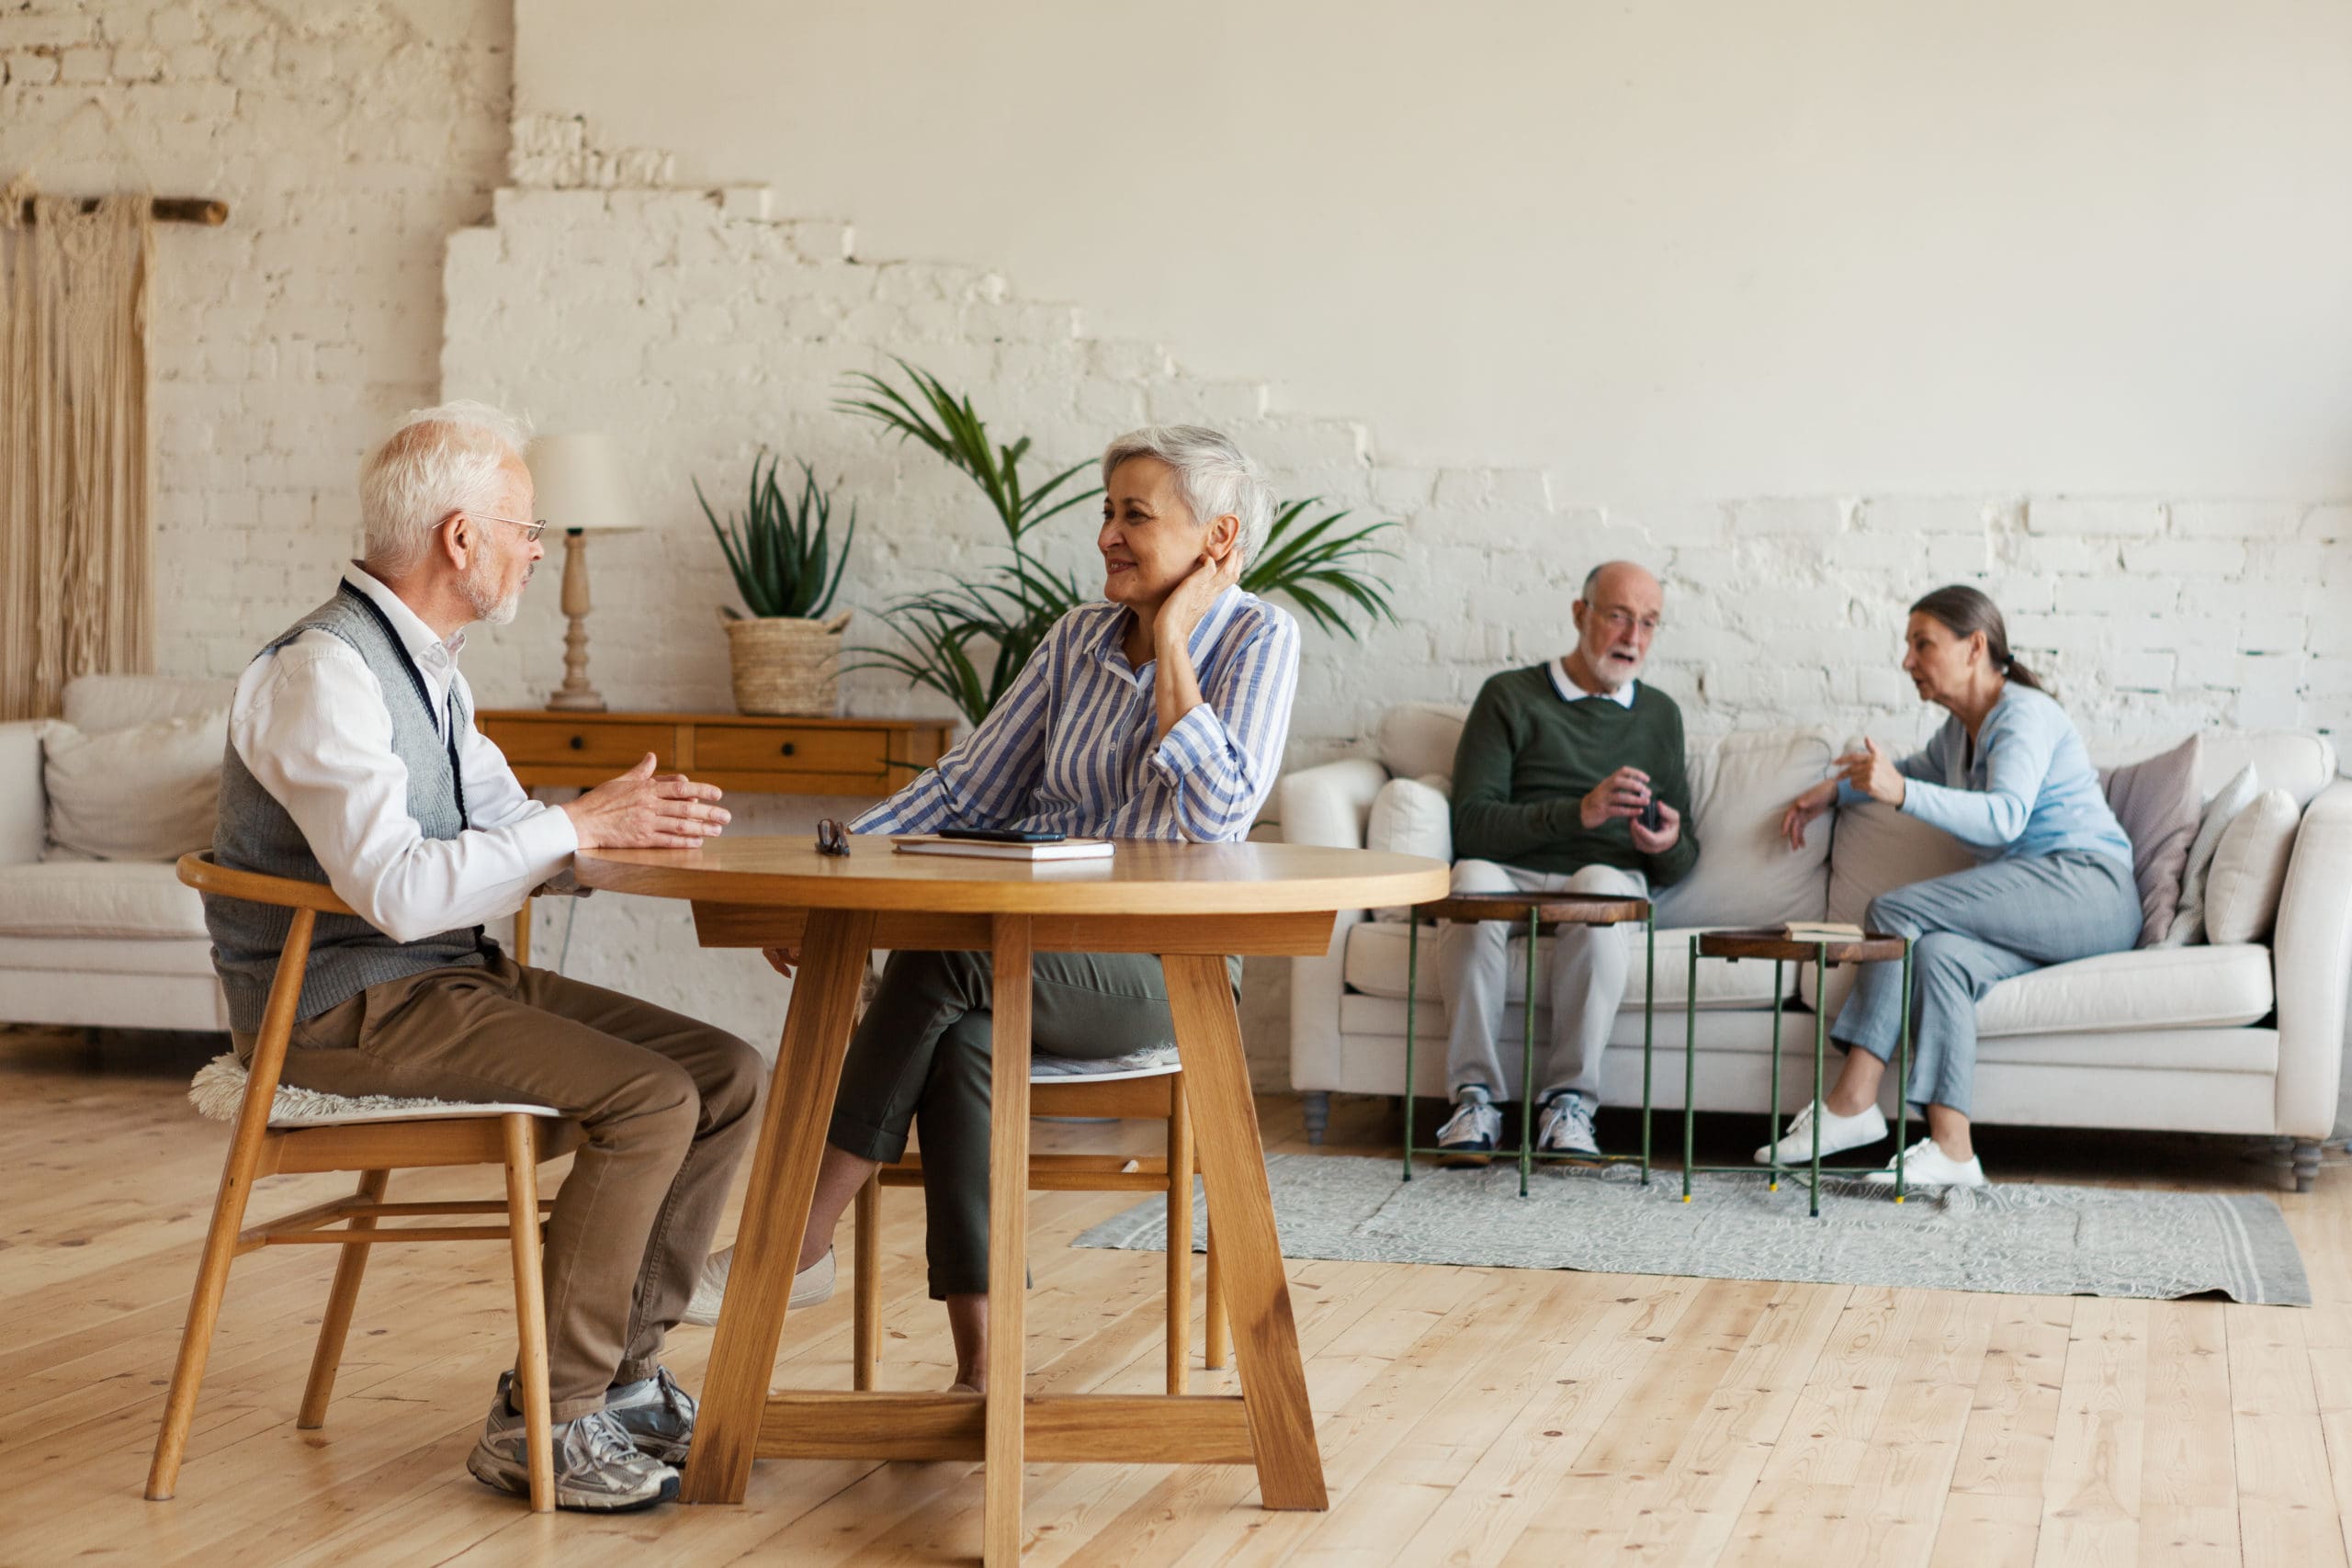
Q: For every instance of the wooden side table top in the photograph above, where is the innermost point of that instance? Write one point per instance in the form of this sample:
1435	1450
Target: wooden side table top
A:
1550	909
1876	947
754	753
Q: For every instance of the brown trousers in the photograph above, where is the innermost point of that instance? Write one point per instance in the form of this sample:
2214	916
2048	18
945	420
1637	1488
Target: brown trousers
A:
669	1106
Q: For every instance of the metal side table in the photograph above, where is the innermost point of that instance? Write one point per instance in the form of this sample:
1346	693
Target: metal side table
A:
1733	946
1537	909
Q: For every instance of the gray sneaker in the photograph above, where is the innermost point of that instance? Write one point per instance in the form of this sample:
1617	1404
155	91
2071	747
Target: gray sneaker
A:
597	1470
658	1415
1564	1126
1470	1135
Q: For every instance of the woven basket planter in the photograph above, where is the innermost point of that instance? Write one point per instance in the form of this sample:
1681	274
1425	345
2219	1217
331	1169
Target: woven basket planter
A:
786	665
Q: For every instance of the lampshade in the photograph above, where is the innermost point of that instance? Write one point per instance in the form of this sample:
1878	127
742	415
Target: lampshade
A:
579	482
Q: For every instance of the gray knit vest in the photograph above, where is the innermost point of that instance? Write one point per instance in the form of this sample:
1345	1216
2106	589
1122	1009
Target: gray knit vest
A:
255	833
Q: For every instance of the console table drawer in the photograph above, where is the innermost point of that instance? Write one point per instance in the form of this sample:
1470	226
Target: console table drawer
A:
590	744
781	749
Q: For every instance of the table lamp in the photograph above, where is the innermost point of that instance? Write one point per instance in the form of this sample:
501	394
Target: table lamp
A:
581	490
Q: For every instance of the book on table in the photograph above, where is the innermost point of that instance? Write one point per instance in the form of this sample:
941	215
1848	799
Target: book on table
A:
983	849
1821	931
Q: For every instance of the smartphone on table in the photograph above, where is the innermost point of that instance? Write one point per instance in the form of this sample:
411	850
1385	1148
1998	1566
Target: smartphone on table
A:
1003	835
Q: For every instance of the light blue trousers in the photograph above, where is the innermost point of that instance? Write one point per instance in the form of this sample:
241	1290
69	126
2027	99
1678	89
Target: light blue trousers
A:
1970	931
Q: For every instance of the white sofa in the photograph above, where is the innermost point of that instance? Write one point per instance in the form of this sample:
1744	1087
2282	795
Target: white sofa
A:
116	944
2242	1038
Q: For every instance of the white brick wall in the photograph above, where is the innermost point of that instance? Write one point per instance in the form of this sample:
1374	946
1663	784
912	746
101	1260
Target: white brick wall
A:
348	139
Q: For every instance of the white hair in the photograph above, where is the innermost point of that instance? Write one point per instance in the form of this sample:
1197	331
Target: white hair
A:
438	460
1214	476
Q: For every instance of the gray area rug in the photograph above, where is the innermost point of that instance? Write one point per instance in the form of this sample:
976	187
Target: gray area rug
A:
2023	1239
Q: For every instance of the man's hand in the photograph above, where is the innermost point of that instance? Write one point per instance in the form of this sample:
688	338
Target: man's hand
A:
1621	794
1668	834
1869	772
641	811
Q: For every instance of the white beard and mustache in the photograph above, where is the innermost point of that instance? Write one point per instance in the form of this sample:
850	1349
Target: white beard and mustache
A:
478	586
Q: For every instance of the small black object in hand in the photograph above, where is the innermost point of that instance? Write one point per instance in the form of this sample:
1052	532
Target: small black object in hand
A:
1652	817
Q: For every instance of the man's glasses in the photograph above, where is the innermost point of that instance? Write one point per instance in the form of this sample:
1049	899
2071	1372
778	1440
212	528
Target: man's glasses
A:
831	838
531	531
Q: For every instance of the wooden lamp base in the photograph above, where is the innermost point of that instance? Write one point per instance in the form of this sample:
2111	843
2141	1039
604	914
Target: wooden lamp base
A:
575	696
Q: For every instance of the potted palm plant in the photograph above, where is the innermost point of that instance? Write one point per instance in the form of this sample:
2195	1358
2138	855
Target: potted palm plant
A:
785	655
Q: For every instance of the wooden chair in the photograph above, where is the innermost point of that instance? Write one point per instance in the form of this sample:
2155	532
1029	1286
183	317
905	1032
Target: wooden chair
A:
1155	1094
516	1137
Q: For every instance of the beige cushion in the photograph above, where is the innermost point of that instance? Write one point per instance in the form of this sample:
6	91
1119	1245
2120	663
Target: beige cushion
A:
2188	923
1747	873
2250	869
2158	803
2296	760
1418	738
101	703
1411	816
97	898
2213	987
148	793
1876	849
1376	966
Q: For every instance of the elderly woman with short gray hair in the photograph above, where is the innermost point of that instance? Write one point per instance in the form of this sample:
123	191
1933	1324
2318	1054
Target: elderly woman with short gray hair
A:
1159	712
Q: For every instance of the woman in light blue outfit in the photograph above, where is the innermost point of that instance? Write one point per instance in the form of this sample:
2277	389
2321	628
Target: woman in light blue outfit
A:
2009	777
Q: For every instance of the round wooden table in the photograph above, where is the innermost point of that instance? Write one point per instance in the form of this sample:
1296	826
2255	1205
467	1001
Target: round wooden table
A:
1192	904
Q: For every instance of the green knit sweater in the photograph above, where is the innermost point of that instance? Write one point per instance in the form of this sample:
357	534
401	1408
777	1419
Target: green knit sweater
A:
1528	758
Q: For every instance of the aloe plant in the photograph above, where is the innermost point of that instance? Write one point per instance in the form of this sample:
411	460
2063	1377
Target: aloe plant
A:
781	548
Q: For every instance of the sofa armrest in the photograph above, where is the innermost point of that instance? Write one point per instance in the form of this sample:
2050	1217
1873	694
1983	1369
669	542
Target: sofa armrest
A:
24	803
1329	804
1325	805
2313	954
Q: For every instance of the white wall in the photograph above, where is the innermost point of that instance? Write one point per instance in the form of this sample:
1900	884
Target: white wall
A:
1712	249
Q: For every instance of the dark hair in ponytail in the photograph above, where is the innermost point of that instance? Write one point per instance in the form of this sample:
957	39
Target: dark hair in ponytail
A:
1966	611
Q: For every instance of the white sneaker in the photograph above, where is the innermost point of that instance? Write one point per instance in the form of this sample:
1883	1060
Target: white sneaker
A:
1925	1164
811	1286
1565	1126
1839	1134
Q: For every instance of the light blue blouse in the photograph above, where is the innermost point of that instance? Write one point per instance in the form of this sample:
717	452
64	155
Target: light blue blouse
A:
2030	790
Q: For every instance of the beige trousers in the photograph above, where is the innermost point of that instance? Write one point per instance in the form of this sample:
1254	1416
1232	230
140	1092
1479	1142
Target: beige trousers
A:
669	1106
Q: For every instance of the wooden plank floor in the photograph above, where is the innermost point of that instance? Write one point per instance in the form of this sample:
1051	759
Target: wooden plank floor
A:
1467	1415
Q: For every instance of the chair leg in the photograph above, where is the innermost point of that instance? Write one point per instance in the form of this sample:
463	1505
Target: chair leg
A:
195	1335
867	1284
530	1304
351	1263
1180	1238
1220	1350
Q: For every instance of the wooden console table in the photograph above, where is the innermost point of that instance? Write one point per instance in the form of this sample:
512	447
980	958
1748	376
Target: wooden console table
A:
736	751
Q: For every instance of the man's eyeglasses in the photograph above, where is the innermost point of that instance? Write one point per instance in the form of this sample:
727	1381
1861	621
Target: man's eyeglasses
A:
831	838
531	531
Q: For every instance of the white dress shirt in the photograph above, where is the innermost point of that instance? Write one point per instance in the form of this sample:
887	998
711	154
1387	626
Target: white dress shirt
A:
311	722
1572	692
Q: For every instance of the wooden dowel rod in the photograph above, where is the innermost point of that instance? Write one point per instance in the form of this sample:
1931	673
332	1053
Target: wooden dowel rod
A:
167	209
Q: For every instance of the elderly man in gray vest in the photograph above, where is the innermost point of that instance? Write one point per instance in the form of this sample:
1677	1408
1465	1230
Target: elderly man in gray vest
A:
353	761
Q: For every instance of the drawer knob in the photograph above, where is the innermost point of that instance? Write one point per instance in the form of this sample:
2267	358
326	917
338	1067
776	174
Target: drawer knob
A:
579	743
788	747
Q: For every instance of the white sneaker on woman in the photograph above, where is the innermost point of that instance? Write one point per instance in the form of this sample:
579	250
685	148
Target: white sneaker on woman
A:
1925	1164
811	1286
1839	1134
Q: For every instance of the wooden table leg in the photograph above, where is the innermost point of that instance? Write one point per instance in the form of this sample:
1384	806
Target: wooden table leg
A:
776	1210
1000	1531
1257	1293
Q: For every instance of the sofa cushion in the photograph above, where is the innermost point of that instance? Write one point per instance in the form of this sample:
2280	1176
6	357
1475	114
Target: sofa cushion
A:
1875	849
2188	923
1377	966
148	793
2215	988
1410	817
71	897
2249	870
2296	760
1747	873
2157	803
188	956
103	702
1418	738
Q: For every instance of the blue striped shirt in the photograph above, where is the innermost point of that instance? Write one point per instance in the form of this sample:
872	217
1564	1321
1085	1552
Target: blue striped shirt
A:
1070	747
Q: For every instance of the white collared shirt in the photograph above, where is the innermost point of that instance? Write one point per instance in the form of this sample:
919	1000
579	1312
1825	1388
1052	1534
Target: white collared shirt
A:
310	723
1572	692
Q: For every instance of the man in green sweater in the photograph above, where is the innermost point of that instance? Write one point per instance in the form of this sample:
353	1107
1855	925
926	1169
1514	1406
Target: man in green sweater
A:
1553	783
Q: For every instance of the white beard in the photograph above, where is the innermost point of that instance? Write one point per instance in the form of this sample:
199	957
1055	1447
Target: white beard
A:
477	589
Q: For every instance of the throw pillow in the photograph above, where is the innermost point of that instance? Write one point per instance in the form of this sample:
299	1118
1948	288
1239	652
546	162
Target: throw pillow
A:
2158	803
146	792
1411	816
2189	924
2250	870
1747	873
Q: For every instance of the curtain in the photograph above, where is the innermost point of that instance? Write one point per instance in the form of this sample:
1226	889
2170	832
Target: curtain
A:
77	589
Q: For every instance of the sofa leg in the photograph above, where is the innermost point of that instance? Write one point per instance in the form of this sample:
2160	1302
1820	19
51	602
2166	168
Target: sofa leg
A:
2306	1165
1318	1114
